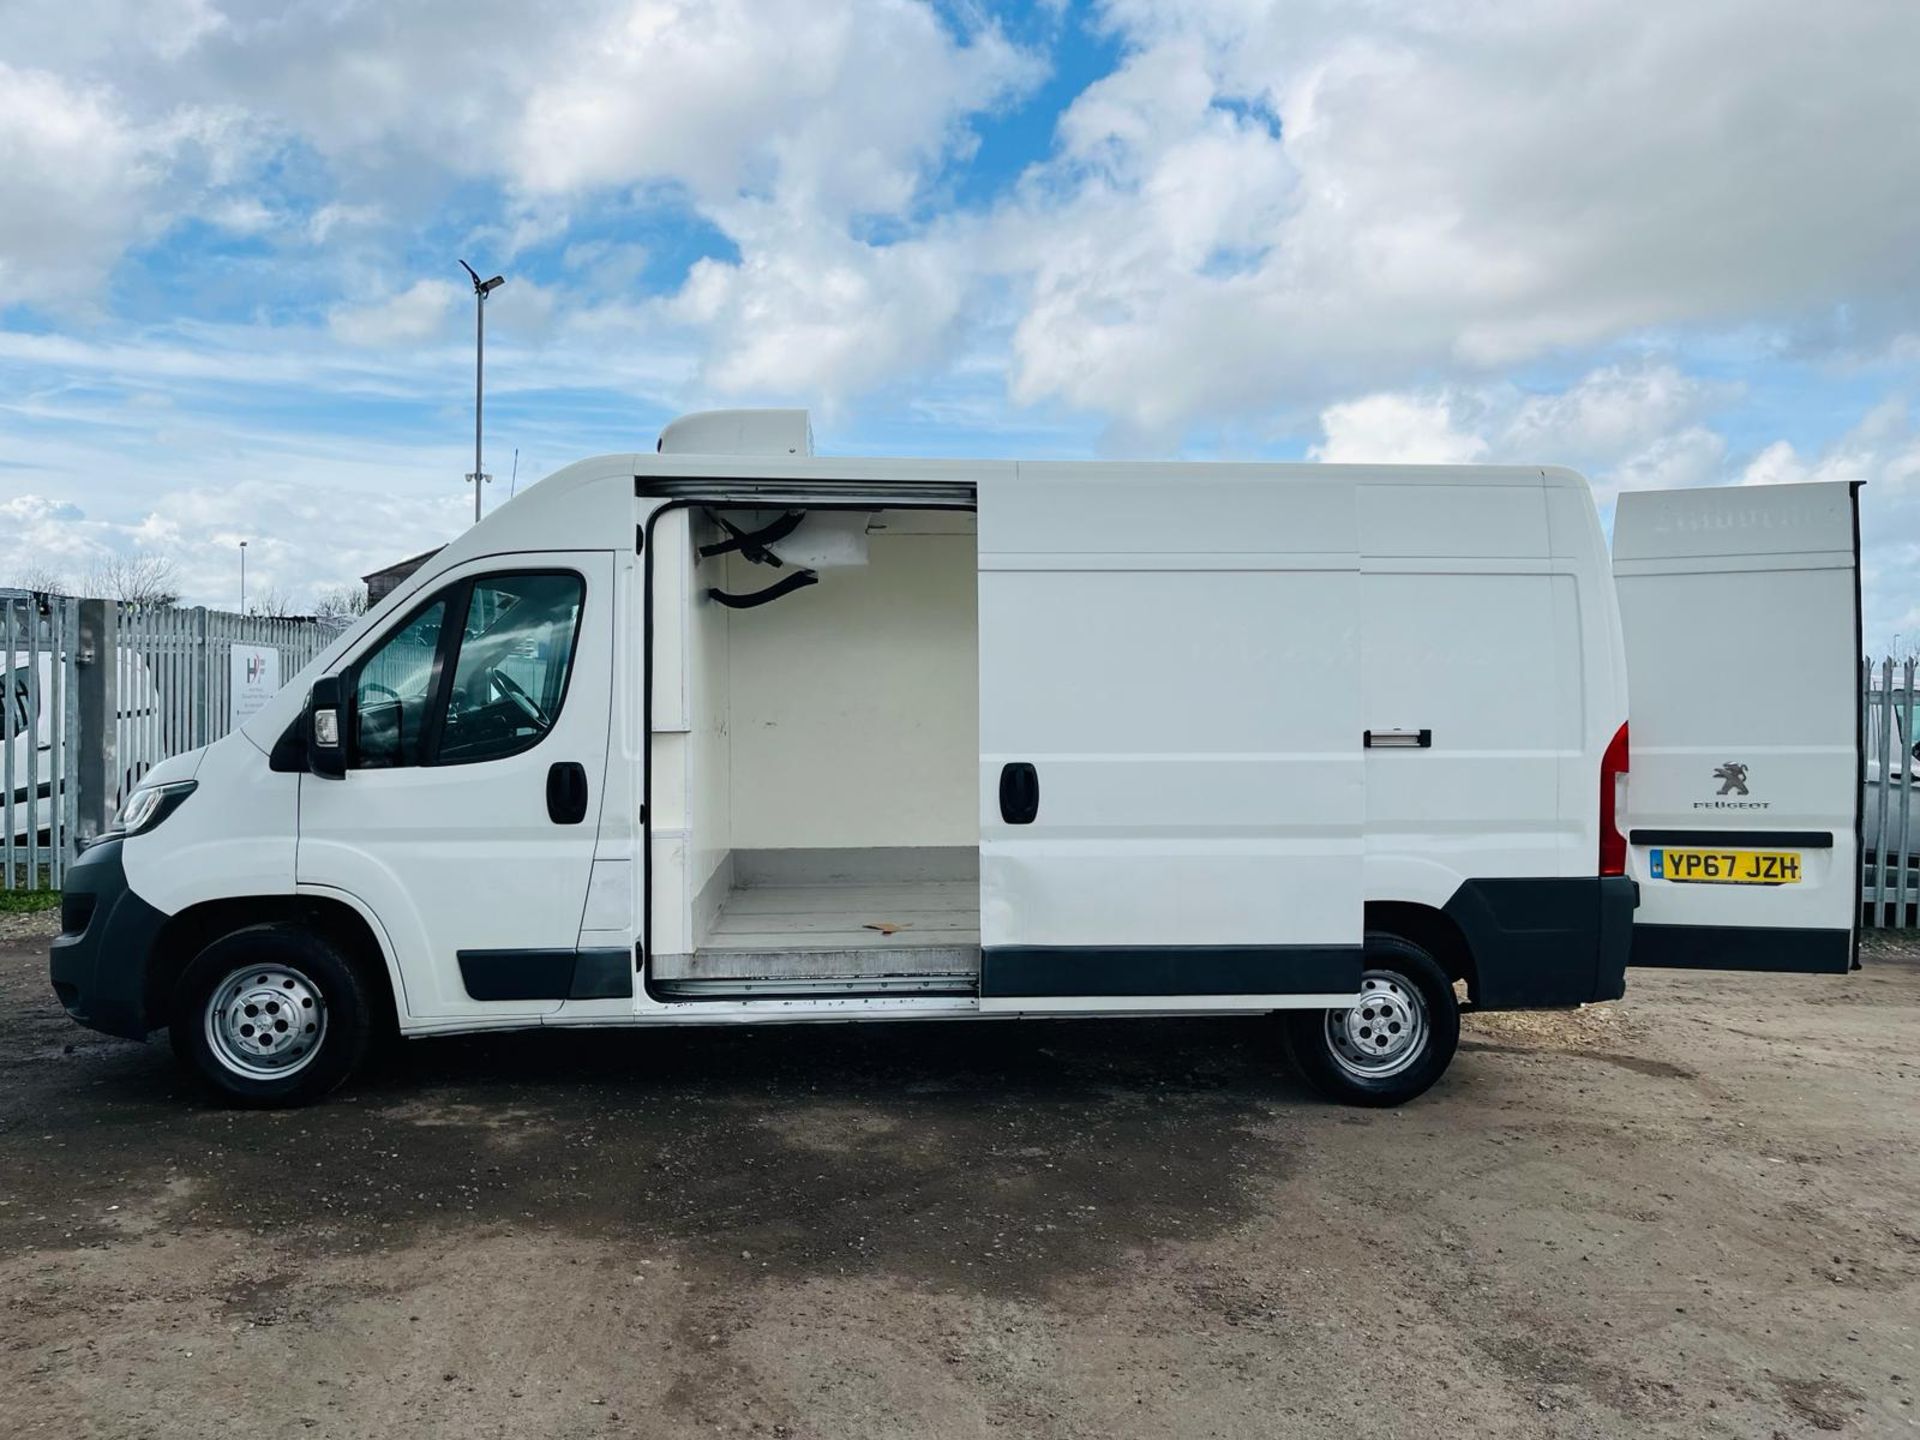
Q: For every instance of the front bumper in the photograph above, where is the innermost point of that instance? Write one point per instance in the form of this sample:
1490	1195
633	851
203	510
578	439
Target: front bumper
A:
100	961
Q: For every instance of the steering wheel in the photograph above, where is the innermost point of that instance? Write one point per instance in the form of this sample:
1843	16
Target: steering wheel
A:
510	688
372	685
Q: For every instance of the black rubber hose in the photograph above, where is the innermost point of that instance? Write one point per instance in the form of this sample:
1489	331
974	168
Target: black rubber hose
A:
799	580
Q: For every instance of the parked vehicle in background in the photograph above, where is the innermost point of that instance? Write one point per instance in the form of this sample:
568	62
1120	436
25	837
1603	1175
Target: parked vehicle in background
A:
34	771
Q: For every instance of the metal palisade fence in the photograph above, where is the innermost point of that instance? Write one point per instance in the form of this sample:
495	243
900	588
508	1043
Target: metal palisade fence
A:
1890	804
76	735
39	720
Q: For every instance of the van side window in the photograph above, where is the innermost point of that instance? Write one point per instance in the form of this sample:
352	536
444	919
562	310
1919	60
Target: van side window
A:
510	675
393	691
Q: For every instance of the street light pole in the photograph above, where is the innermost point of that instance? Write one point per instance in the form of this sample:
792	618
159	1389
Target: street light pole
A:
243	577
481	289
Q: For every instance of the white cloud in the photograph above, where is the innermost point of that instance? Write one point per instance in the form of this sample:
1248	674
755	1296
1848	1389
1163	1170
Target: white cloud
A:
1687	458
317	510
82	180
819	318
420	312
335	217
1414	208
835	107
1614	422
76	178
1881	450
301	541
91	35
791	125
1612	412
606	268
1395	430
1264	209
243	215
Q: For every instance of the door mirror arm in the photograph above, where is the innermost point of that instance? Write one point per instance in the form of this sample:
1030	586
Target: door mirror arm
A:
328	728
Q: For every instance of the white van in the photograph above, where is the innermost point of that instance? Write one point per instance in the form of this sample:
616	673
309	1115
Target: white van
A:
732	733
33	770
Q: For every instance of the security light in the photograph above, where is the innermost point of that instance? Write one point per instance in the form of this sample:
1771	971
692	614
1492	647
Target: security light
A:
483	287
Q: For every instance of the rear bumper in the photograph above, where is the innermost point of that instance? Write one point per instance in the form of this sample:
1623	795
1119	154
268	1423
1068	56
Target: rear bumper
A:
99	962
1743	947
1547	942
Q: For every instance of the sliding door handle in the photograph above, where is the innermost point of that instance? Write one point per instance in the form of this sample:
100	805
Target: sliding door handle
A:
1019	793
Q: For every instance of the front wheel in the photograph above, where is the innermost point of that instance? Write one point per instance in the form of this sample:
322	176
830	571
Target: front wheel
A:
1395	1043
271	1015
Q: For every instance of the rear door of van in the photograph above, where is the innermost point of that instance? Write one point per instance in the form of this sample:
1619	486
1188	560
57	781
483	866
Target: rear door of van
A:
1172	789
1740	608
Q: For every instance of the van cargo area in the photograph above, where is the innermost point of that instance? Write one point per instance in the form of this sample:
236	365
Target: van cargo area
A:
815	699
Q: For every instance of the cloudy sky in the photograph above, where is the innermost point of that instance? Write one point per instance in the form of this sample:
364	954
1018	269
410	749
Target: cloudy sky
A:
1667	244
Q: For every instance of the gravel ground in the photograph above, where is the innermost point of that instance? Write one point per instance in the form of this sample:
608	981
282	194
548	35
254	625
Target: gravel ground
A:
1696	1212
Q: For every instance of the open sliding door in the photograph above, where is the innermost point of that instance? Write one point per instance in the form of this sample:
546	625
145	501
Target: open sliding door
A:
1171	784
1741	613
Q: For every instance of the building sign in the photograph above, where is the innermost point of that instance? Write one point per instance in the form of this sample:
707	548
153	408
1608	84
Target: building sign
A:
253	675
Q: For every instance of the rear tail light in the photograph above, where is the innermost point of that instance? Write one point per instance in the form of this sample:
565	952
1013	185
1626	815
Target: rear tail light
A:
1613	782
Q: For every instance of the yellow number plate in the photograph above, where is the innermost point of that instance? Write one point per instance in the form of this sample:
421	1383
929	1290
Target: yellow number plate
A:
1726	867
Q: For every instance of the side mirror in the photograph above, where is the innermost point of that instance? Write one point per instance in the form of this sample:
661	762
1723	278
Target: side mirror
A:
327	728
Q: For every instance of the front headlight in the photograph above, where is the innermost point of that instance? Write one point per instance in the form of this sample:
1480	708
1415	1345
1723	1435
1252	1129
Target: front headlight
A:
147	807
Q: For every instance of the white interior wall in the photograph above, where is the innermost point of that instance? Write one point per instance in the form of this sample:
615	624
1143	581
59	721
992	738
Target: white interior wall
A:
670	918
710	748
852	707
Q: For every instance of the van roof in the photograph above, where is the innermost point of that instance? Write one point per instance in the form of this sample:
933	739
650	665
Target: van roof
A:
778	445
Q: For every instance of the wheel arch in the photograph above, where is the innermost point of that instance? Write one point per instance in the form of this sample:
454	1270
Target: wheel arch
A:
187	933
1433	931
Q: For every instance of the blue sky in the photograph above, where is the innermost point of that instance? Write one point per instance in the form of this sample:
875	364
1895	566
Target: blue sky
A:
1666	245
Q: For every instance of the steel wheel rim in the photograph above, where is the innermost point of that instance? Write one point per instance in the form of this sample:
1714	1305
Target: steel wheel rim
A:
265	1022
1386	1033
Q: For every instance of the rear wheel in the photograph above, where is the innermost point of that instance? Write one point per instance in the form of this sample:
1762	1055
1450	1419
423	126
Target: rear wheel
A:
271	1015
1395	1043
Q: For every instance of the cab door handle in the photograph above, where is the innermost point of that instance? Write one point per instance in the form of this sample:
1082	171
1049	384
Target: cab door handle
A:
567	792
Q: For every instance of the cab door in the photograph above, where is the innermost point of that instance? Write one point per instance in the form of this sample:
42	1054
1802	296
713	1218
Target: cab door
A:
467	818
1171	786
1740	609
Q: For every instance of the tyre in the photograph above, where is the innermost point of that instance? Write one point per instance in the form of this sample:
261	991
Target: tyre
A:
1395	1043
272	1015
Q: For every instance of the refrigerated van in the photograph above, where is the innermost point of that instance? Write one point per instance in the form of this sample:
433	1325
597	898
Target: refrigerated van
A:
733	733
